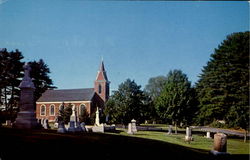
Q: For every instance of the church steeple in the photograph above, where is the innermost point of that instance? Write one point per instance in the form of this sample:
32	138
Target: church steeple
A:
102	83
101	75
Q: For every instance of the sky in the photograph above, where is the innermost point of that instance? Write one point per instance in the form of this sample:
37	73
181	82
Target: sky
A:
136	39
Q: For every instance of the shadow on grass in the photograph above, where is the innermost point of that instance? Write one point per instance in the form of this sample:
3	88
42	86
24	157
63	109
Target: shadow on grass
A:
47	144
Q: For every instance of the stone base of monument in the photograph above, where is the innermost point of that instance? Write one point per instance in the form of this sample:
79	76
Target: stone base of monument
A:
26	120
61	127
99	128
71	126
78	128
109	128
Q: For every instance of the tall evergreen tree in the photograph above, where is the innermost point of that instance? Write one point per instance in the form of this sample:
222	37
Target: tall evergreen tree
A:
223	88
40	77
10	78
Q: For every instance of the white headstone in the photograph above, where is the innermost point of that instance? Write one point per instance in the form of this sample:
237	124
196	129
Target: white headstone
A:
133	126
188	136
208	135
73	120
99	128
97	120
8	122
130	129
169	129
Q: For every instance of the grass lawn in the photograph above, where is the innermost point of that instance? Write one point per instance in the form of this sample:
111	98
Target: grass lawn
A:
47	144
234	146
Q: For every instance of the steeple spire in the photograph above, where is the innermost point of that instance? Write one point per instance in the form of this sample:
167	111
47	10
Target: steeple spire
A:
101	75
101	83
102	69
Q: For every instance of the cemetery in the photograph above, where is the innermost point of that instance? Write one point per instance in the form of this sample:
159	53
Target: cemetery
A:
168	117
57	139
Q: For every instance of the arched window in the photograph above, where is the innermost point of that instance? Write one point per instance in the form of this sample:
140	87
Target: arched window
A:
82	109
43	110
99	89
52	110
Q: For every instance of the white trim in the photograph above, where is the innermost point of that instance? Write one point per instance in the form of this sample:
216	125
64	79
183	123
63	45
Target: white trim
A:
50	110
41	110
64	102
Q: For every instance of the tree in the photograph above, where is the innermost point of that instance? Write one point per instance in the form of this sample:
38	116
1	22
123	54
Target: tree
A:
155	86
84	115
65	113
10	78
153	89
126	104
223	88
40	77
175	102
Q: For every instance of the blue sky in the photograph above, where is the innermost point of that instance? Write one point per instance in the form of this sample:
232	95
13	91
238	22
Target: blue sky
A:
137	40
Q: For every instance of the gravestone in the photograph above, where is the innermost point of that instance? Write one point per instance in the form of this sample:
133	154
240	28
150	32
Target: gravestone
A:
56	125
73	120
26	117
188	136
220	146
99	128
130	129
61	127
8	122
46	124
133	126
97	120
220	142
208	135
170	129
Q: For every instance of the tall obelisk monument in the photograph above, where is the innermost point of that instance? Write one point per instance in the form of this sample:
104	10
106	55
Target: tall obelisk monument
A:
26	116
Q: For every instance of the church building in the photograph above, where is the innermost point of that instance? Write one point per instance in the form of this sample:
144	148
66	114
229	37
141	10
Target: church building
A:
51	101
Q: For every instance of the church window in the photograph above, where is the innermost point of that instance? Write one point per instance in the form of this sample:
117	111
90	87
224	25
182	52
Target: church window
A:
43	111
100	89
52	110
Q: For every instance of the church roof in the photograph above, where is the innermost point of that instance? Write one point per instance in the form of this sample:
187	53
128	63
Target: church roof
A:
62	95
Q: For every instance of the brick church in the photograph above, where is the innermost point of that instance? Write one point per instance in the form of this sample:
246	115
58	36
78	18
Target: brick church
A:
48	105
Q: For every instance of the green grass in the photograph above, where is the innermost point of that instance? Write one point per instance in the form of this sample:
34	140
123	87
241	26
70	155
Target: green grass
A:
47	144
234	146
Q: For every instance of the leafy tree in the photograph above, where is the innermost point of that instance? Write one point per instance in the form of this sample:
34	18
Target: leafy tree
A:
223	88
155	86
153	89
65	113
175	102
84	116
40	75
126	104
